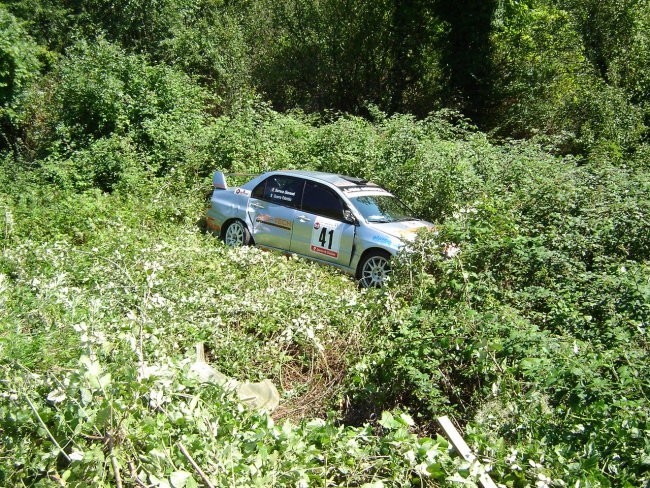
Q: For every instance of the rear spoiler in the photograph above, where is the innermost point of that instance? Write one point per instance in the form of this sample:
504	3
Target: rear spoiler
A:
219	179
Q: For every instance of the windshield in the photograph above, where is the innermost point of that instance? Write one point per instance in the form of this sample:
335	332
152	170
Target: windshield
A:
381	208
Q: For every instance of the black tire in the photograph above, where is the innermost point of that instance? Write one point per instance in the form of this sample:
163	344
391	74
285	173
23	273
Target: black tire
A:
373	269
236	234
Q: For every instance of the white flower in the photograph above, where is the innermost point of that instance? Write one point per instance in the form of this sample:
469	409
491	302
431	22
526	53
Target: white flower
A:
76	456
56	396
512	457
450	251
410	457
147	372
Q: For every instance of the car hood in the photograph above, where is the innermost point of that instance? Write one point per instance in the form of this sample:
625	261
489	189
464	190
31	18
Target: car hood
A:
405	230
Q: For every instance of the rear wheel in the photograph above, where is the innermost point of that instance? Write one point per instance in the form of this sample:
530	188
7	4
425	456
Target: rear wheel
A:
373	269
236	234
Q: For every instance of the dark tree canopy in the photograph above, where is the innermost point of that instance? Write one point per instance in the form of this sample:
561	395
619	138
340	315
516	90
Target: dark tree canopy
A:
520	68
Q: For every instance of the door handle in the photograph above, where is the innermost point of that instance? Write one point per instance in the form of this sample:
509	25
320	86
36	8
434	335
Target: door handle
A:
303	218
256	205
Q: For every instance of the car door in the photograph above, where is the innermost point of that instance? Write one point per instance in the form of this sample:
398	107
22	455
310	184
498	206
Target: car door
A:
272	209
319	229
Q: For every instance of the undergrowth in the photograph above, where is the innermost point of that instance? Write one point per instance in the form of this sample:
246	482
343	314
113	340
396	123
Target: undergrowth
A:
523	317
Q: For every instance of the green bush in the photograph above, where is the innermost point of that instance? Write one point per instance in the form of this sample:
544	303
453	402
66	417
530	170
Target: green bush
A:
259	139
102	304
523	314
209	43
121	114
106	164
19	67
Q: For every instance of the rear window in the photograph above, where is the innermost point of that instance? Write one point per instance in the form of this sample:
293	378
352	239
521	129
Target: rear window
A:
283	190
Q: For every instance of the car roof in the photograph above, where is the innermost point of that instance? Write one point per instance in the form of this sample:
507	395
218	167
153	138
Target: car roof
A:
341	181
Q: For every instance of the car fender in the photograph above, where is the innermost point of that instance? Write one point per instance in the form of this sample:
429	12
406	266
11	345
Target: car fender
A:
226	205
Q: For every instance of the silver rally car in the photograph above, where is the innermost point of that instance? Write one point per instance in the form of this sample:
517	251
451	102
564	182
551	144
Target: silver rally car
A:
346	222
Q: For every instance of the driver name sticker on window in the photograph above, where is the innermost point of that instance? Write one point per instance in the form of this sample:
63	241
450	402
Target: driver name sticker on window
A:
326	237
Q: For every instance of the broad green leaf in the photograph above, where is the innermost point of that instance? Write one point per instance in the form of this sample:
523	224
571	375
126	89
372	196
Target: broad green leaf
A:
178	479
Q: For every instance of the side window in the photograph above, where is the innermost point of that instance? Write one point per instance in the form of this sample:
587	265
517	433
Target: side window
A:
320	200
283	190
258	191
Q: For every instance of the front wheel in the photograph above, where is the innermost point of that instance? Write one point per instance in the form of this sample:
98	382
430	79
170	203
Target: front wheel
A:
236	234
373	269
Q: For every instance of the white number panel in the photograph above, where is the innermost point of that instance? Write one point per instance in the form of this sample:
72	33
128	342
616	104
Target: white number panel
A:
326	237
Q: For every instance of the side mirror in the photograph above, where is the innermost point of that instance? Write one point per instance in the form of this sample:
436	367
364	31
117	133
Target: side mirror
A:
349	217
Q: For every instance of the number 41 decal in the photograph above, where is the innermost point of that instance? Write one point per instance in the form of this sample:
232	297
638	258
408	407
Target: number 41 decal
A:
323	237
326	237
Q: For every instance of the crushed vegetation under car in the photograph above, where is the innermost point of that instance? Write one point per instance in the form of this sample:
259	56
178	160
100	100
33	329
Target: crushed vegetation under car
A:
350	223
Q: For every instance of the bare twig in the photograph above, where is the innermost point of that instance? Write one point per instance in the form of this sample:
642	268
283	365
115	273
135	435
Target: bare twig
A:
111	454
92	437
116	471
49	434
496	363
194	465
134	475
57	478
463	449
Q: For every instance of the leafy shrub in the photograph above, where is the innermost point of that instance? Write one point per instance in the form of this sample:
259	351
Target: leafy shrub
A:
209	43
19	66
603	119
259	139
119	288
105	164
100	92
420	161
347	145
512	299
125	118
18	59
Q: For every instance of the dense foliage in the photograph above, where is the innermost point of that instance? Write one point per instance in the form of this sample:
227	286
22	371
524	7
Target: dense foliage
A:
575	69
520	127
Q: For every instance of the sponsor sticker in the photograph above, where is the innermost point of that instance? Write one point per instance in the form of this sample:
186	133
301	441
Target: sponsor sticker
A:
381	240
274	221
